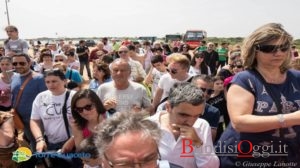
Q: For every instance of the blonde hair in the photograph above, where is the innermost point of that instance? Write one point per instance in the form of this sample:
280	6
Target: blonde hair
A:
263	35
296	63
180	59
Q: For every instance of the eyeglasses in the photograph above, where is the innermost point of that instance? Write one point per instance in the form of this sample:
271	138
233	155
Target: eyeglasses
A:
87	107
150	162
59	60
121	52
10	31
173	71
208	91
20	63
272	48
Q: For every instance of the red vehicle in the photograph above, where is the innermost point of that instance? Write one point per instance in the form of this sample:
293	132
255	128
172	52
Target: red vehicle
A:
193	37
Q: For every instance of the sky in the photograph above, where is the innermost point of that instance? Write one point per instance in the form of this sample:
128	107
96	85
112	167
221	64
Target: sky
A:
133	18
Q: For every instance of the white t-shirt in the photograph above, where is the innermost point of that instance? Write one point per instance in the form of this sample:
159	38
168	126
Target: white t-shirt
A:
136	69
166	82
156	77
48	108
195	71
134	95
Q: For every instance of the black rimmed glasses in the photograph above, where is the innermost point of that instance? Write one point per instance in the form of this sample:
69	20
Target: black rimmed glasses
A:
149	162
273	48
87	107
19	63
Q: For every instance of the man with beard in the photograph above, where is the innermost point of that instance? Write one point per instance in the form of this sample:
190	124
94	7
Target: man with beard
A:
186	139
21	63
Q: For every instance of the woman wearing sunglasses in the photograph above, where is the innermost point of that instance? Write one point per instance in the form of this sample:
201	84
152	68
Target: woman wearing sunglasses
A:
47	111
198	65
88	111
263	102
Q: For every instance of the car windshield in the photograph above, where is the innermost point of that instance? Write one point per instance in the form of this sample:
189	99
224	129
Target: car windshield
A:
194	35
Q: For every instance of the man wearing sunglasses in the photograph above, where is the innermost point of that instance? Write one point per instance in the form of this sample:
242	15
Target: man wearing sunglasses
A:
211	114
21	64
138	74
177	72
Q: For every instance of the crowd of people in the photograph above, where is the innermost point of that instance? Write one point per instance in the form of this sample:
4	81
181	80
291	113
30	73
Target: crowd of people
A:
144	102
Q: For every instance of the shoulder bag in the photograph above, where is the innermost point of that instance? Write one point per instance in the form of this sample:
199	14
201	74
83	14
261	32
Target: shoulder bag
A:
17	118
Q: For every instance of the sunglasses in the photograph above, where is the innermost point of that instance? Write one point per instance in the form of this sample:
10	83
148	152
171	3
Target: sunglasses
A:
20	63
87	107
121	52
59	60
199	56
173	71
272	48
208	91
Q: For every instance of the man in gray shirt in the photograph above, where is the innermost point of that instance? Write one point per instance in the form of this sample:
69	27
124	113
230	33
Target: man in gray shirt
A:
121	94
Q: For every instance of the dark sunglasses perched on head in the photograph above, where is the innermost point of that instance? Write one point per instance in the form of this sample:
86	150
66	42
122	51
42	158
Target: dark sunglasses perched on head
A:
272	48
87	107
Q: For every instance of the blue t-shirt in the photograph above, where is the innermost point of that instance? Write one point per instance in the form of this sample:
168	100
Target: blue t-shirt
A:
264	105
31	90
211	115
94	84
76	77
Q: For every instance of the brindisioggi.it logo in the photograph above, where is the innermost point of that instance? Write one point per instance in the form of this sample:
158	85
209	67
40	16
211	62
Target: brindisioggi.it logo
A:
241	149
